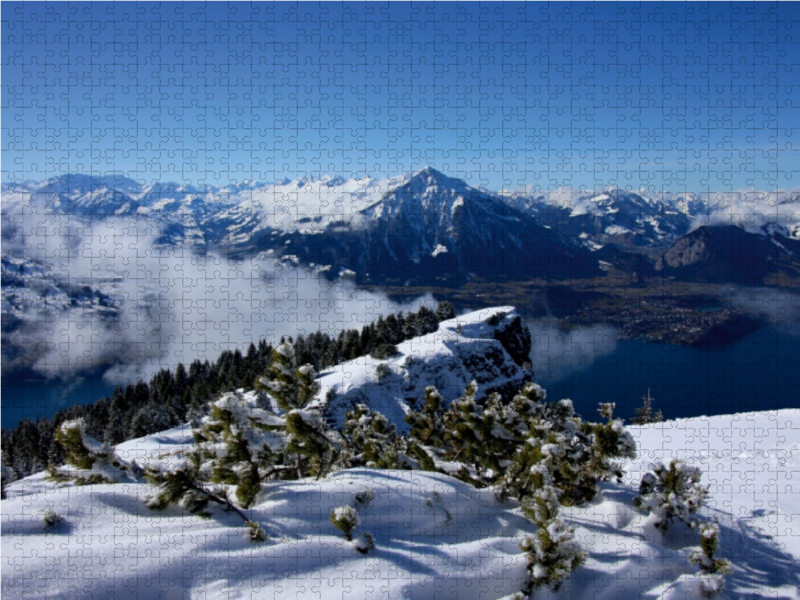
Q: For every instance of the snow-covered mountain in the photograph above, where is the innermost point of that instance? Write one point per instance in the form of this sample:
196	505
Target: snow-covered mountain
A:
433	535
616	216
422	226
656	220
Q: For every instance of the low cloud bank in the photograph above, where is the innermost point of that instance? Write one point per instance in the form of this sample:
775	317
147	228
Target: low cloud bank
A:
171	306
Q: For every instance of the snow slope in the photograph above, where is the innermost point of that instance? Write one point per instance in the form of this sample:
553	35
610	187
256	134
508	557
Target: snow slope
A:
109	545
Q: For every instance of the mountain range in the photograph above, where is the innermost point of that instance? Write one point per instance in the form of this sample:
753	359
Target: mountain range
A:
427	228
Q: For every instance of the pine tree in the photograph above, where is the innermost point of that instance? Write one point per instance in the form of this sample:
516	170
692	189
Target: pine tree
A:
82	451
310	444
445	311
644	414
552	443
671	493
606	443
185	488
93	461
372	441
345	519
552	552
240	445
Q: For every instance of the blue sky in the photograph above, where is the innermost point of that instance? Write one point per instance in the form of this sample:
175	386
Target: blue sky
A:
661	95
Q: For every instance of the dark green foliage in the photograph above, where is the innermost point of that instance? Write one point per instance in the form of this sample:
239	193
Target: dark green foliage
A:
236	443
515	447
370	440
552	554
184	487
308	444
427	427
711	568
181	487
92	479
8	476
445	311
383	351
496	319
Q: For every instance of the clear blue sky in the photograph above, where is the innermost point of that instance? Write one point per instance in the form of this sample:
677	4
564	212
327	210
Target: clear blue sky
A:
660	95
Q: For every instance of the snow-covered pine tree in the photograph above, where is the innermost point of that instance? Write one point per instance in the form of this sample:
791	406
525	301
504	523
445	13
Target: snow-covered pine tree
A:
671	493
372	441
607	443
310	444
712	569
427	429
185	487
240	445
479	439
552	443
89	461
552	552
345	519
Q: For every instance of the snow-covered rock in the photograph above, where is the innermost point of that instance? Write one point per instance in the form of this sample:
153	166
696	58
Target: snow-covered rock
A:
474	346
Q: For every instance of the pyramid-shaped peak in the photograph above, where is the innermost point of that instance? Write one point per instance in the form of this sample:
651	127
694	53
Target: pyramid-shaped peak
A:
431	177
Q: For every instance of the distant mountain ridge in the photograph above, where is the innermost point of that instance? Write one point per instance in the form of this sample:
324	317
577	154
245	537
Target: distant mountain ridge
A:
423	228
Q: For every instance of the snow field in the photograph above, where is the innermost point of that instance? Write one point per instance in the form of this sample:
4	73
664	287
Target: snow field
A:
110	545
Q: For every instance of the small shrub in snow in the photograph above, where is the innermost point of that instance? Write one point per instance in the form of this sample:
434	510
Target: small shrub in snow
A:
671	493
382	371
712	570
51	518
364	542
365	497
345	519
256	533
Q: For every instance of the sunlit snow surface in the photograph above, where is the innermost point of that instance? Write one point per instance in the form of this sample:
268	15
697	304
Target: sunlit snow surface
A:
111	546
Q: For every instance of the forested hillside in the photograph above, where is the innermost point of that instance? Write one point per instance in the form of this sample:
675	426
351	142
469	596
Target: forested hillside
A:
175	396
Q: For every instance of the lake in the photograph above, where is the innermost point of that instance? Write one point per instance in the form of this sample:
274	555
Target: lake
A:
759	372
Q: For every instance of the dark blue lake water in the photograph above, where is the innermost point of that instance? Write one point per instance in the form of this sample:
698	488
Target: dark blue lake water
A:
759	372
588	365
